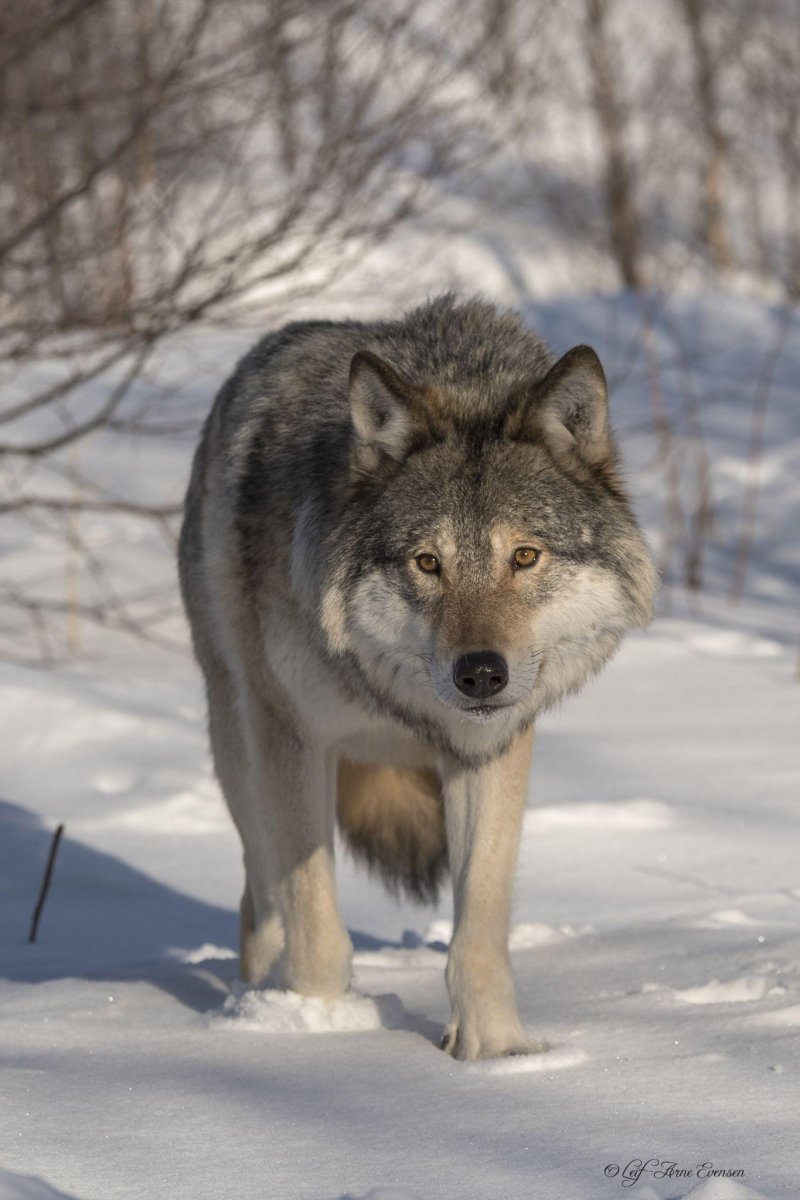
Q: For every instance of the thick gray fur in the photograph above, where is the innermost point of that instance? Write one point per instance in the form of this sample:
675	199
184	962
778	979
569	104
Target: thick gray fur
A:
334	456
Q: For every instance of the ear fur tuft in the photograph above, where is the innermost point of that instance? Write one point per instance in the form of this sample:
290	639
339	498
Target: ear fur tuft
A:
380	411
568	410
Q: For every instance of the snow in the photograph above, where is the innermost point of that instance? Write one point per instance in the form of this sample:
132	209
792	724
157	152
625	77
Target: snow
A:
626	814
26	1187
271	1011
734	991
656	932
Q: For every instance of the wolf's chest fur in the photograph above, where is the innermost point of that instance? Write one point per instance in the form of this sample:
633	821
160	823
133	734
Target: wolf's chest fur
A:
333	713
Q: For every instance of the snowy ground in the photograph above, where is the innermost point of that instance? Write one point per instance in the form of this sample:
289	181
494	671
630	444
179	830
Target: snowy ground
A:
657	923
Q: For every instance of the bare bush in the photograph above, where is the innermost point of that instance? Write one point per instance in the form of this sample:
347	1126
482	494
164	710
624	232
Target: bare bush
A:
168	165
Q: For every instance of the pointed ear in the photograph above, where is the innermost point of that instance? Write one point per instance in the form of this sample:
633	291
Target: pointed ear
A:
381	412
569	409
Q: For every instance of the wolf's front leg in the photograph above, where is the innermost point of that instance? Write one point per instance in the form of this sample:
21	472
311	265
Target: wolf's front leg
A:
288	843
483	810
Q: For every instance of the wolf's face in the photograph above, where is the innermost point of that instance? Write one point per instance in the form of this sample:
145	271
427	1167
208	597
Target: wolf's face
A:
485	575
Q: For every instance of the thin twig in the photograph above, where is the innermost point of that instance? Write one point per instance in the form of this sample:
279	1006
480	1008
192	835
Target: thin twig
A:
64	504
43	890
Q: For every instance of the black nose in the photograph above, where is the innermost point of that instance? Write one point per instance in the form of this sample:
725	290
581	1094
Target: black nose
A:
480	674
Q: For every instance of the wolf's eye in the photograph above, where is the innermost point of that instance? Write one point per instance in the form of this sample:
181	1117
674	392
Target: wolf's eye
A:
525	556
428	563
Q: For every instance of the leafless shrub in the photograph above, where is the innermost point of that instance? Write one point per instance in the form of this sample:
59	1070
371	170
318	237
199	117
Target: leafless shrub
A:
662	142
168	165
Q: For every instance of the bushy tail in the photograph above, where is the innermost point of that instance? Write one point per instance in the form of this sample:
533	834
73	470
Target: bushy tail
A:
393	820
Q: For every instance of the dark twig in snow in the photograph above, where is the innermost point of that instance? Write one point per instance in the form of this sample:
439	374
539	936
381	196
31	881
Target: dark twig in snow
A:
43	890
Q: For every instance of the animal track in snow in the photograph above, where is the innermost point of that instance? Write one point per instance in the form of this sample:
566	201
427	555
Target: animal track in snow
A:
625	814
272	1011
743	990
555	1059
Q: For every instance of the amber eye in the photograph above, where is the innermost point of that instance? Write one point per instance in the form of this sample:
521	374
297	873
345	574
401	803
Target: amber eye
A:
526	556
428	563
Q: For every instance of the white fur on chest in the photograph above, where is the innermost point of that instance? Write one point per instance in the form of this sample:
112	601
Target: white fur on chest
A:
333	720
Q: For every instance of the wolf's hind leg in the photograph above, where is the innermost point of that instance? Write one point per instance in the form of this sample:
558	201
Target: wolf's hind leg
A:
483	810
260	931
260	939
287	829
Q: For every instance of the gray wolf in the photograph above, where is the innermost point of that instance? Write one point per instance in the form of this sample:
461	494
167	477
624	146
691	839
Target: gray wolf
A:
403	541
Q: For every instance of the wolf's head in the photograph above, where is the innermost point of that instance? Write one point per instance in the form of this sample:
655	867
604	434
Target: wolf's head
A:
487	560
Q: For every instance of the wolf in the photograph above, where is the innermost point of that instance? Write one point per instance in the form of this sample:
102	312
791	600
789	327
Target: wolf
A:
403	541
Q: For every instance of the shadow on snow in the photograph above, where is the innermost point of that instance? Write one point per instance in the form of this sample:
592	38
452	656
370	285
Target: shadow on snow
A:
103	919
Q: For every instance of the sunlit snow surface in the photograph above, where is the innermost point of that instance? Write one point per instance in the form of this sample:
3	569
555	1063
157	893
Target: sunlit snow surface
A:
270	1011
656	927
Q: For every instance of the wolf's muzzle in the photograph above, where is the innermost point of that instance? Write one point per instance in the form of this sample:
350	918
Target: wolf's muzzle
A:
480	674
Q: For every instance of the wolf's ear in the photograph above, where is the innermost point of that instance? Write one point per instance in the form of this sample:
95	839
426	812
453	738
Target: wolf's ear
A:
569	409
381	411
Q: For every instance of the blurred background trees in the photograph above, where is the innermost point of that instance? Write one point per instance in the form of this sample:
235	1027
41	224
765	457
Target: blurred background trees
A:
215	164
661	138
165	163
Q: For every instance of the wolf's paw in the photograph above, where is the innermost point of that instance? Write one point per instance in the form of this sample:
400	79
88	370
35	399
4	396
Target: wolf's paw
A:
463	1041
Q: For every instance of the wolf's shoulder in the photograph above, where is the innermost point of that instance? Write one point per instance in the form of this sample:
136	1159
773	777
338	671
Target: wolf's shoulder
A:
464	342
293	383
445	339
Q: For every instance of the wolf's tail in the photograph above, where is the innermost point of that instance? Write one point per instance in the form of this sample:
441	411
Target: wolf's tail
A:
393	820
